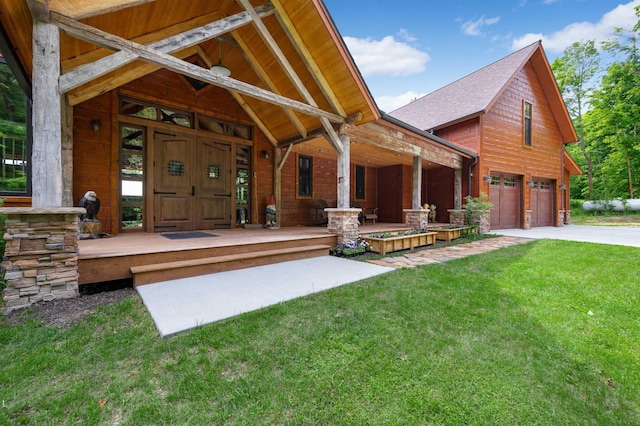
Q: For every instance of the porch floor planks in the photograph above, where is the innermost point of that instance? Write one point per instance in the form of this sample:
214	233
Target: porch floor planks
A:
108	259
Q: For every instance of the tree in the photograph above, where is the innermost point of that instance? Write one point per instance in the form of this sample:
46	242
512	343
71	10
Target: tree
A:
574	72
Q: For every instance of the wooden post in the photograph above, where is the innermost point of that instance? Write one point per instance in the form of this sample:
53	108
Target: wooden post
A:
344	173
457	190
277	182
417	182
67	153
46	158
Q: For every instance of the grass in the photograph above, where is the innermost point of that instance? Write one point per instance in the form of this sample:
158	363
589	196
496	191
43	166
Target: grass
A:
541	333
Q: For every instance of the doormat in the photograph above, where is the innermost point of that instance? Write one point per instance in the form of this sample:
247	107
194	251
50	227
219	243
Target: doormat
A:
186	235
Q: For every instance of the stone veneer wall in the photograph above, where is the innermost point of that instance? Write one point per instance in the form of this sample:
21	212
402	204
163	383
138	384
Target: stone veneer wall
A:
416	218
344	223
456	217
41	255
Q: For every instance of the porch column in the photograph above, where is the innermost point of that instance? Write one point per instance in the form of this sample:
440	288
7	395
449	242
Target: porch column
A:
417	183
67	154
344	173
277	183
457	190
46	157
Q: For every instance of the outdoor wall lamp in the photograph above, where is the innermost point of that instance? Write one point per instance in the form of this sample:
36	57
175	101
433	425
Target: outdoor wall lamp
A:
96	125
486	179
265	154
563	187
531	183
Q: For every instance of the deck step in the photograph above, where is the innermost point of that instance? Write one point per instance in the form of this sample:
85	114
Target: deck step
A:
148	274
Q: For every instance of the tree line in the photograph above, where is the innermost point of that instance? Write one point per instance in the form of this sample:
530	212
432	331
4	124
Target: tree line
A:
601	88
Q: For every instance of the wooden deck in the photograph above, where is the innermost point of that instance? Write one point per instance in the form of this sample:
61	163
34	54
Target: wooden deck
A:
148	257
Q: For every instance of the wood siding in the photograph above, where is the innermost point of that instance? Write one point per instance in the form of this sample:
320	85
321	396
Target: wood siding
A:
497	136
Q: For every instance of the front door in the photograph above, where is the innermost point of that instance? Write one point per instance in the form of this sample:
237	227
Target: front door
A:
192	183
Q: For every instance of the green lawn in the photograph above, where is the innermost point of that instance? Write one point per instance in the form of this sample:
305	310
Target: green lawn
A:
541	333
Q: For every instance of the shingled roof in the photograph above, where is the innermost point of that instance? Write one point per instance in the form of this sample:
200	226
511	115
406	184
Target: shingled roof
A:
466	97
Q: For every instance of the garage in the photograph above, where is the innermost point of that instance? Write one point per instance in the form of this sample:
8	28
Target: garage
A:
506	194
542	202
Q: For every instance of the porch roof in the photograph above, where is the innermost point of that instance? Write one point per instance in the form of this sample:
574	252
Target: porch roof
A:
290	69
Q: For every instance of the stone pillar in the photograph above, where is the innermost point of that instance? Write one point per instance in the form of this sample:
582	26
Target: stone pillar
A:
344	224
560	221
567	217
41	255
484	223
456	217
527	219
416	218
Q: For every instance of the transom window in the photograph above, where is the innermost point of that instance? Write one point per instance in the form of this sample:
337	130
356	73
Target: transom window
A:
150	111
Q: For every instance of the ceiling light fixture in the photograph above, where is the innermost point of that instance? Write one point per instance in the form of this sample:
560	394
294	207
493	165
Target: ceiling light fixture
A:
219	68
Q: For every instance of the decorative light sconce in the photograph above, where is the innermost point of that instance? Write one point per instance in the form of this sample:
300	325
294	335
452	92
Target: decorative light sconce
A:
96	125
531	183
219	68
265	154
486	179
563	187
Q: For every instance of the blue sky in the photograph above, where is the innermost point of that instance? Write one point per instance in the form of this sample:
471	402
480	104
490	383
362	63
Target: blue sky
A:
408	48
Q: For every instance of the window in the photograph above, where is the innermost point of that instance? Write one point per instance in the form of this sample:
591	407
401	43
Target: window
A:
527	124
360	189
14	140
305	176
131	177
148	111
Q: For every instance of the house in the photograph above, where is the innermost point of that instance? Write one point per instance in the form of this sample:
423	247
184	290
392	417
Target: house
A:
512	115
187	116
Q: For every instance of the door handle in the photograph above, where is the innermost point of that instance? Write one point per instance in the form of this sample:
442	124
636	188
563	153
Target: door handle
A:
193	190
163	192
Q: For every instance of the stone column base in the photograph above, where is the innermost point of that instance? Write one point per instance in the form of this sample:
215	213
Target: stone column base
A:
41	255
416	218
560	221
456	217
344	223
527	219
567	217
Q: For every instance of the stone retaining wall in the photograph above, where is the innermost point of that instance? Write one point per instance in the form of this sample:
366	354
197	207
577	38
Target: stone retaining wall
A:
41	255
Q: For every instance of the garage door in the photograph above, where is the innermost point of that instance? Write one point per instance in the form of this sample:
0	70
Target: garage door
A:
542	197
505	194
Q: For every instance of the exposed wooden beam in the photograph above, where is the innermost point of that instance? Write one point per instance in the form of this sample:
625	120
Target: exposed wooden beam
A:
284	157
284	62
192	37
87	8
127	74
295	140
245	106
387	138
307	57
104	39
264	76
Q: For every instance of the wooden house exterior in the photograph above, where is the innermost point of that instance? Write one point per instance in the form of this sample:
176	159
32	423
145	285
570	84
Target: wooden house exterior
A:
511	114
187	116
124	104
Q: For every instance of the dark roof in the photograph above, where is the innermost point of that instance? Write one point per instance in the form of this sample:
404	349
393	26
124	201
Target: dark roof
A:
468	96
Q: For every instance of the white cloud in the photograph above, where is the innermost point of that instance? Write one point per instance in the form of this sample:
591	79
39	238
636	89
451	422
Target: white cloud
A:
406	36
386	57
622	16
474	28
392	103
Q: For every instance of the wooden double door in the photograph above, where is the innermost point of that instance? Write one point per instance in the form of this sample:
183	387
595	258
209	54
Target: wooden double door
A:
192	183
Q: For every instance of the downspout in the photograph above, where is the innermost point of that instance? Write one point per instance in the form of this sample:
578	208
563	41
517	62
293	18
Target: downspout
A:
475	161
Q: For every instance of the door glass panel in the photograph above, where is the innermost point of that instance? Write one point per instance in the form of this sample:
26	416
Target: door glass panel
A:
131	177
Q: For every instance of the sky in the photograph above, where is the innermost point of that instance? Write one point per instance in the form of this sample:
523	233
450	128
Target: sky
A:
406	49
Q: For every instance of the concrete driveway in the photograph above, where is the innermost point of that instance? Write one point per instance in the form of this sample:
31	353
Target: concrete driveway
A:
617	235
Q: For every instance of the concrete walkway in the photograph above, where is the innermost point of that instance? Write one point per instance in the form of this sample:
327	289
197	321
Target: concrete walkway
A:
617	235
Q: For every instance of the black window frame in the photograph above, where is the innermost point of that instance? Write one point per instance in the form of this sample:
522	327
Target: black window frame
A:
305	172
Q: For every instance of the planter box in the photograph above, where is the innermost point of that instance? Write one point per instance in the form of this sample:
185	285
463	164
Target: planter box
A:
400	242
448	234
